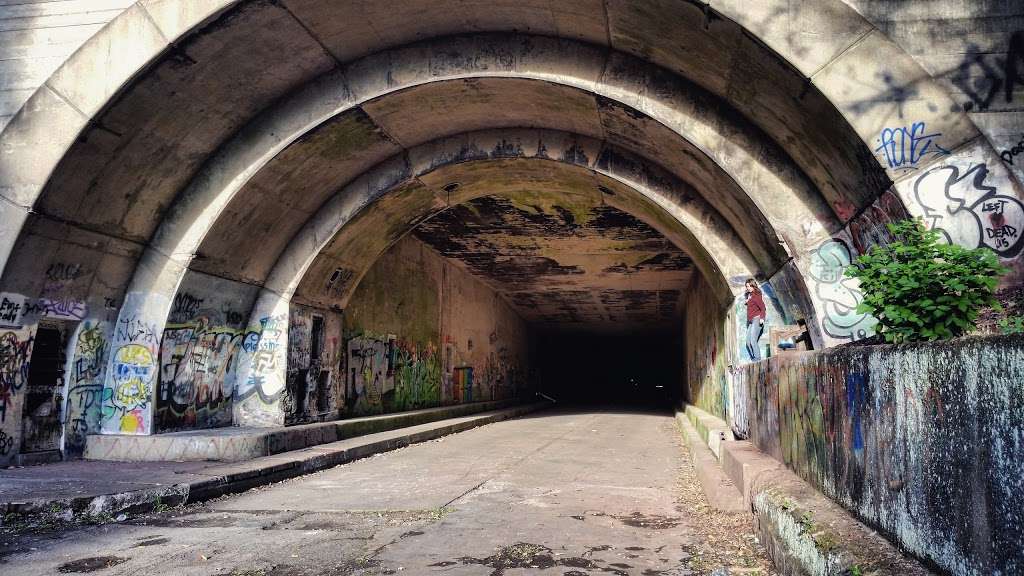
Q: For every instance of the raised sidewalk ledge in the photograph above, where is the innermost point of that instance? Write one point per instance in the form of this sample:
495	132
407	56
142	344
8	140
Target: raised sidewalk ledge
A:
235	444
804	532
91	490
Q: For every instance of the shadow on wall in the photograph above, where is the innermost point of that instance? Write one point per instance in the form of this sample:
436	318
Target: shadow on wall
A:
922	441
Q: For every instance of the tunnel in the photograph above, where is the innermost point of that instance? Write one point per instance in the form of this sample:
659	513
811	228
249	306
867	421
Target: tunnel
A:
275	213
237	230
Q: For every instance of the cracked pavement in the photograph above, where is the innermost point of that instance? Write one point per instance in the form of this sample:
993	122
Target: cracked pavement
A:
559	492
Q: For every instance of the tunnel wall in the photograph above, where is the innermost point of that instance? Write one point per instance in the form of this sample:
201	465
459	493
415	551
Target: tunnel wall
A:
422	332
924	441
710	343
204	335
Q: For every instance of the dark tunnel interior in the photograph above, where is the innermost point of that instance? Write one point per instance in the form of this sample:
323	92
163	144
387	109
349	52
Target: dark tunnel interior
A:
635	370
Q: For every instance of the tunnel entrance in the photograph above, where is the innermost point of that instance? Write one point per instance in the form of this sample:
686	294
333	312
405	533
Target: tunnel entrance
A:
505	296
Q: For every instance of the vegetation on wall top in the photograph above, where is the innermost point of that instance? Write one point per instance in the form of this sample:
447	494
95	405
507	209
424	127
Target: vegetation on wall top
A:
920	288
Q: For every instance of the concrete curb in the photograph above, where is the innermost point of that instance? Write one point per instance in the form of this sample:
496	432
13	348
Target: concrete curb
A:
721	493
241	476
804	532
248	443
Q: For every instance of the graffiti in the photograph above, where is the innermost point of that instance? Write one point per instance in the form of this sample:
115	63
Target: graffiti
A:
388	374
6	443
369	369
462	384
968	212
59	276
12	307
1010	154
185	307
904	147
870	228
838	294
85	391
15	357
884	427
136	331
197	362
90	354
982	76
61	309
501	378
62	272
855	385
258	360
134	369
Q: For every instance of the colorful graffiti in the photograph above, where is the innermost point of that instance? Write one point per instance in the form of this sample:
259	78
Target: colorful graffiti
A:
57	308
968	211
85	386
710	355
903	438
197	363
386	374
259	360
462	384
837	294
133	373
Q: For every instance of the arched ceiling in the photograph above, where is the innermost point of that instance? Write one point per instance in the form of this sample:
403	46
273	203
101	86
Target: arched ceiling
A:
230	124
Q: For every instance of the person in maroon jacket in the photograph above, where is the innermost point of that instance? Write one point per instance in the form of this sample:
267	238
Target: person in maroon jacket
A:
755	318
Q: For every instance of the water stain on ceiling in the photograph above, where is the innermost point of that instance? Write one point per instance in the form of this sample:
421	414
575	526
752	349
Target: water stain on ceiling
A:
570	262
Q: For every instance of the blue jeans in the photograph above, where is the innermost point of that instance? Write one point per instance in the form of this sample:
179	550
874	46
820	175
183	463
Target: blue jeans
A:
754	331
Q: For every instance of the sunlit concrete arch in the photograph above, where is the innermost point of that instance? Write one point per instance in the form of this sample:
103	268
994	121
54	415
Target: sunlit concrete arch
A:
789	99
753	162
149	29
487	163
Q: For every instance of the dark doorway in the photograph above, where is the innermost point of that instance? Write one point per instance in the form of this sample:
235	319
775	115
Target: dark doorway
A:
41	425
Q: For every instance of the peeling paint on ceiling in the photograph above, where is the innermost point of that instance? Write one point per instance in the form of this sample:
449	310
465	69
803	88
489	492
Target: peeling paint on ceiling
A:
566	261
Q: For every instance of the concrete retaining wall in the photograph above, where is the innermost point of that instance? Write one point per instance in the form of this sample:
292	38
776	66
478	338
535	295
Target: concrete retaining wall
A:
924	442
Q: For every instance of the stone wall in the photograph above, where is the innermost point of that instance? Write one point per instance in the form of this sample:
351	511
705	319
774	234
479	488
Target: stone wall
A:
925	442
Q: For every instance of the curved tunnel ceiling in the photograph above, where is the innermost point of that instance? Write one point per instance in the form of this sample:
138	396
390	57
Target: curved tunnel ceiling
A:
552	175
195	156
477	100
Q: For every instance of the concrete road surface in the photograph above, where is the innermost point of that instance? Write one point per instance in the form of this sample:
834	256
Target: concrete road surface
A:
560	492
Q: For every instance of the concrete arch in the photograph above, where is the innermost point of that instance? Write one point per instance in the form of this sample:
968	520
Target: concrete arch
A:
854	82
754	164
157	25
146	30
419	177
751	160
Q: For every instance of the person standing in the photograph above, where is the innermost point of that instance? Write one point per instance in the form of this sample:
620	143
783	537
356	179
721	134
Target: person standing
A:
755	318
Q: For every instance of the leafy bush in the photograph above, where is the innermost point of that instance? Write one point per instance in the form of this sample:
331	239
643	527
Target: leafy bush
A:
920	288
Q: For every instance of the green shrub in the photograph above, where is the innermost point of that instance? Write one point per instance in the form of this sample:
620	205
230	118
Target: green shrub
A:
920	288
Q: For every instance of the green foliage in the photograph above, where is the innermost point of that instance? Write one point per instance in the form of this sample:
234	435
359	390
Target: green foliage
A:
1011	325
920	288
